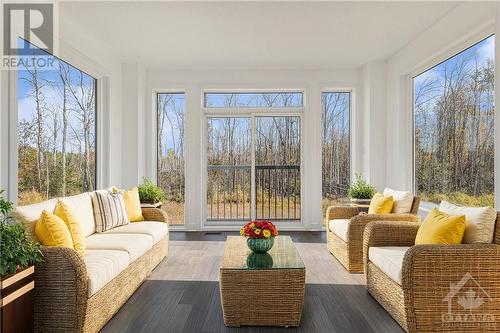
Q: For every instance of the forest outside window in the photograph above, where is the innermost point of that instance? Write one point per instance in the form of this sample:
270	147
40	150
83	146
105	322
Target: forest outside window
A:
336	150
254	100
57	132
454	128
170	163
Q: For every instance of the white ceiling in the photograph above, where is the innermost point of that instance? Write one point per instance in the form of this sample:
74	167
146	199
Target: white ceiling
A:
254	35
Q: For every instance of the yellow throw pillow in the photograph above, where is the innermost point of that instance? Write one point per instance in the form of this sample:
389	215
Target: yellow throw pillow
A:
380	204
52	231
66	213
441	228
132	204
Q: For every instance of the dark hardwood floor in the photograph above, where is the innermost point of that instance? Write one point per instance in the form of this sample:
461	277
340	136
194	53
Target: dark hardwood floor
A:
182	294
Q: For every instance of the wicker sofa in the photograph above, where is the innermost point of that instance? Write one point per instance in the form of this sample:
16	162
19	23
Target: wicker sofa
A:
345	232
419	285
81	294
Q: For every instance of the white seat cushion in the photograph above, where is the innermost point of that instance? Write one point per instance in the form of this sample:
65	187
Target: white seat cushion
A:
479	221
403	200
135	244
103	266
157	230
389	259
82	206
339	228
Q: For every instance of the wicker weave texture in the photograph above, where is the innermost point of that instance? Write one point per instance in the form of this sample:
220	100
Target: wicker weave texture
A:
387	292
428	272
338	248
60	291
155	214
350	253
279	300
340	212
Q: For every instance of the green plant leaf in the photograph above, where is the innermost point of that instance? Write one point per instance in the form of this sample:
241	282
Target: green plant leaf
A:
361	189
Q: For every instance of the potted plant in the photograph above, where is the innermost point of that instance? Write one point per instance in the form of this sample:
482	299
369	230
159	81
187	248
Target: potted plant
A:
260	235
17	258
151	194
18	252
361	192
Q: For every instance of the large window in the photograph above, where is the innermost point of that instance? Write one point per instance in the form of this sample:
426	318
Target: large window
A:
454	128
57	141
336	156
170	164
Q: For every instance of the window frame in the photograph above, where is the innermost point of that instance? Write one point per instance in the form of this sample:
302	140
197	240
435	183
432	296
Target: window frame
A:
435	61
13	121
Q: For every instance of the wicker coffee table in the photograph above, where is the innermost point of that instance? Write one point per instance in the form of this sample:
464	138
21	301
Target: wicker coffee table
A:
262	289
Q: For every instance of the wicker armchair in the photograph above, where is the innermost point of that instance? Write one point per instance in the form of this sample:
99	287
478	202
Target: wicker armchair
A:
432	278
349	251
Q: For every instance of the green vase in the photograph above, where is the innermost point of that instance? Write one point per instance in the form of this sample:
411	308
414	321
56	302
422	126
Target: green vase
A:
259	260
260	245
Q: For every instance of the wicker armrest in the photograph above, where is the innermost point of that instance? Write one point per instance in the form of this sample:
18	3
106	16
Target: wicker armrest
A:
365	218
340	212
61	291
155	214
434	274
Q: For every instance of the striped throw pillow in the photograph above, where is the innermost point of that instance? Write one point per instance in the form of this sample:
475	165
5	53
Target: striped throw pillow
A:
109	211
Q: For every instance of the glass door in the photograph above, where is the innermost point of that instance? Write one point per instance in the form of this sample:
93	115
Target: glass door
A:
229	168
277	167
253	168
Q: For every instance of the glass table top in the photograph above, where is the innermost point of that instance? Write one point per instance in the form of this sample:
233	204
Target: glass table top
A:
283	255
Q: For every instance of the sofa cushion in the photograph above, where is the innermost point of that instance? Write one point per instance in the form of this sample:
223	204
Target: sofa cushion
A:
51	230
479	221
157	230
109	211
381	204
339	227
389	259
103	266
403	200
135	244
81	205
441	228
29	215
67	214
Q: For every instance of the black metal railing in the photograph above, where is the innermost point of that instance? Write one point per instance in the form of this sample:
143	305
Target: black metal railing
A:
277	192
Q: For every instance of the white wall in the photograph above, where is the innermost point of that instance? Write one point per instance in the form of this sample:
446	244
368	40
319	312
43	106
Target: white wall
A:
312	81
374	123
463	26
133	124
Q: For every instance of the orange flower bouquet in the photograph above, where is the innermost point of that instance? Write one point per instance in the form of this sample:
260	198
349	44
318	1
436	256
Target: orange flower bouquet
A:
260	235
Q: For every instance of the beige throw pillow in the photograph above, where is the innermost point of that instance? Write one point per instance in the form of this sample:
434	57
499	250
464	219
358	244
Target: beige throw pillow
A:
403	200
479	221
109	211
